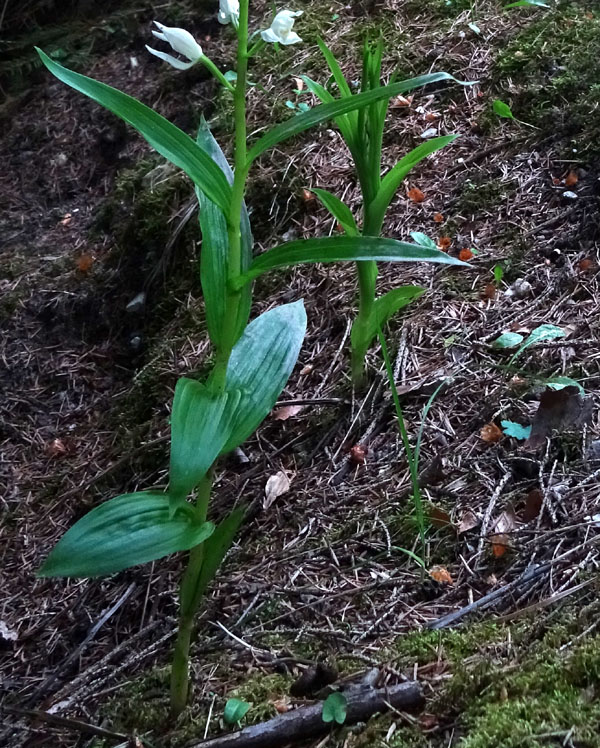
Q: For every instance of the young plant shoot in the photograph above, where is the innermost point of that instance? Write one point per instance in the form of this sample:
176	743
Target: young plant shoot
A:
362	131
253	361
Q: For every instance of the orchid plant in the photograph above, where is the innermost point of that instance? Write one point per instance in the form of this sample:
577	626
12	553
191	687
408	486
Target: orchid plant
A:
252	361
363	132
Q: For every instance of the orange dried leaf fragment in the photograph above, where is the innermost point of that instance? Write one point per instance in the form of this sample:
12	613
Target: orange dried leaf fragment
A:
358	454
444	242
441	574
571	179
465	254
491	433
416	195
84	262
438	218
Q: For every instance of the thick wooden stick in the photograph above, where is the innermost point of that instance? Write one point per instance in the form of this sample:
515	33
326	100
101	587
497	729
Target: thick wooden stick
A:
306	722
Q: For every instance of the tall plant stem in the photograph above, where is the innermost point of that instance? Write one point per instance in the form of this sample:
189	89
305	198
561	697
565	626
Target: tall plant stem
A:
240	175
189	600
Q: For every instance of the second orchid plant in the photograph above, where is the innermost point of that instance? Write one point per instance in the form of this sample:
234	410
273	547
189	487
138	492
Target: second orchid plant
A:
252	361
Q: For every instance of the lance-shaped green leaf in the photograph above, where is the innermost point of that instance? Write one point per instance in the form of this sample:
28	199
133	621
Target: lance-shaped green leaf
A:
384	307
339	210
541	333
523	3
344	248
201	424
214	260
324	112
217	546
126	531
165	137
261	363
398	173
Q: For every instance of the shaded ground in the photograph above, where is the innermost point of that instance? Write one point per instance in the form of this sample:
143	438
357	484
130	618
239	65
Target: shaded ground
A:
90	219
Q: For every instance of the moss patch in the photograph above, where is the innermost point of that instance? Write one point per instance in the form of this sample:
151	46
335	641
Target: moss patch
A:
554	66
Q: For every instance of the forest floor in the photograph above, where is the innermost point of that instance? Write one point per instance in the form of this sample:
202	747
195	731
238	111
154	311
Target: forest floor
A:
91	218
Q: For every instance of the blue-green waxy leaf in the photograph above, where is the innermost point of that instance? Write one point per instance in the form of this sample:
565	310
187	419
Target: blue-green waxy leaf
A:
235	710
325	112
541	333
502	109
260	365
508	340
128	530
344	248
162	135
334	708
383	309
339	210
515	430
201	424
560	382
423	239
214	260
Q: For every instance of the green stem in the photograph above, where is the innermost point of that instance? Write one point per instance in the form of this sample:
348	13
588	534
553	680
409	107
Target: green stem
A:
189	600
210	65
411	456
235	208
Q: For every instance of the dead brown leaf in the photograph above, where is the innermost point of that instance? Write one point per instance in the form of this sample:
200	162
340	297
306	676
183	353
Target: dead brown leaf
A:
84	262
533	504
416	195
439	517
441	574
491	433
559	409
358	454
571	179
467	522
286	411
277	485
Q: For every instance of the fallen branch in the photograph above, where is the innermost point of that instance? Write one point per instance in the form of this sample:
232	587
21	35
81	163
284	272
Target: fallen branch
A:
306	722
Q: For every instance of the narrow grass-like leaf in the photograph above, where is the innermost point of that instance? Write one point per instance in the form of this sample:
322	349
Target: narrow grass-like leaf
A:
344	248
325	112
125	531
398	173
217	546
384	307
342	84
339	210
162	135
201	424
214	260
260	365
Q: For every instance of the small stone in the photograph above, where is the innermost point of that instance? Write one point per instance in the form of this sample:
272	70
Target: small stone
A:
520	289
137	304
431	132
135	343
592	453
569	195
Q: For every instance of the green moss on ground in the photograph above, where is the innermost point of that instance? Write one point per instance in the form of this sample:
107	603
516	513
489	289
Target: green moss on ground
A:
553	64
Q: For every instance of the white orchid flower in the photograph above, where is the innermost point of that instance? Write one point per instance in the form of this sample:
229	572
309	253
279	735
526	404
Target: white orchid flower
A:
181	41
229	11
281	28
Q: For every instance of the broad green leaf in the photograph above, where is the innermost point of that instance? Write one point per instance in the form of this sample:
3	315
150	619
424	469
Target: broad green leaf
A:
515	430
543	332
125	531
201	424
343	248
217	546
260	365
334	708
384	307
398	173
559	383
508	340
502	109
339	210
214	259
162	135
325	112
522	3
423	239
235	710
